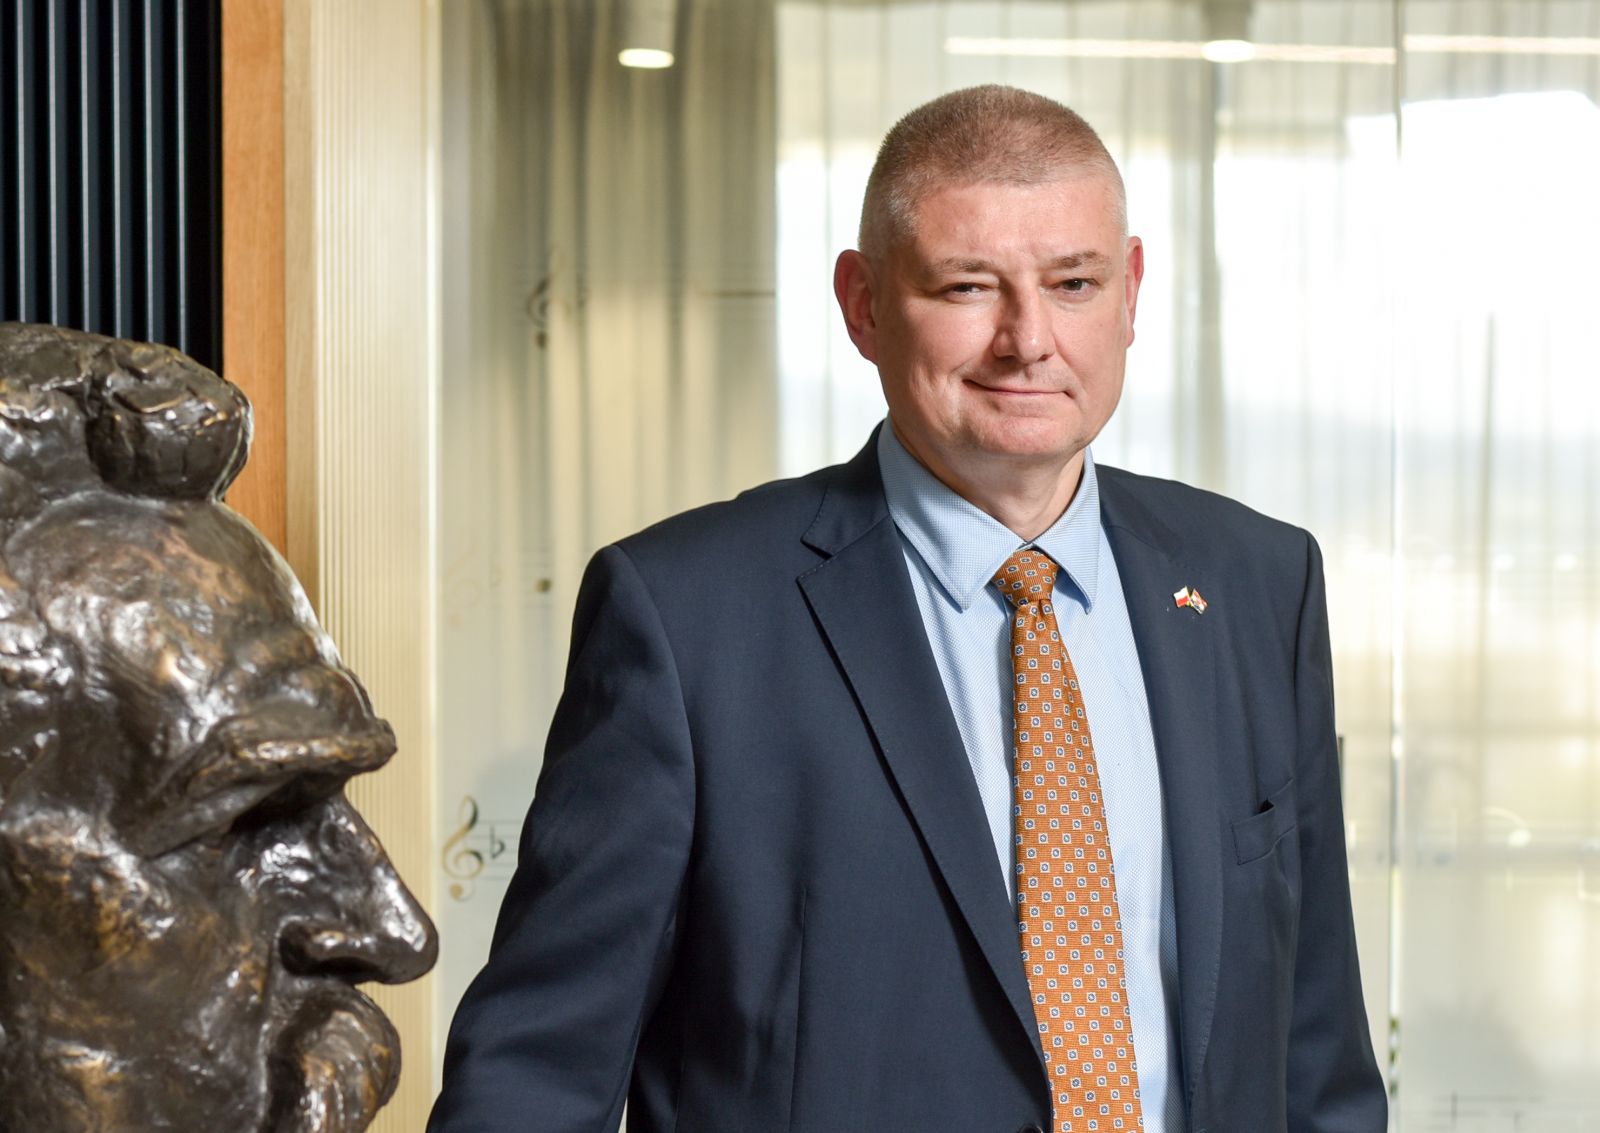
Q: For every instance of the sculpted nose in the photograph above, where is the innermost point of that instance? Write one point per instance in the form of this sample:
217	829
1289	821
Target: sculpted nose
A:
361	923
1023	332
387	938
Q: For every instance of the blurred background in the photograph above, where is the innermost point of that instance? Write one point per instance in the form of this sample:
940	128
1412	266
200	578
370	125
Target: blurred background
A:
549	270
1372	308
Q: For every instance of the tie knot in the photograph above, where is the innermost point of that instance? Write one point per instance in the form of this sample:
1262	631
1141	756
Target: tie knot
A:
1028	576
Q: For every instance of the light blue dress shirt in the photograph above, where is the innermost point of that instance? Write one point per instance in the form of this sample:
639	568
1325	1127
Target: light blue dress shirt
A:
953	550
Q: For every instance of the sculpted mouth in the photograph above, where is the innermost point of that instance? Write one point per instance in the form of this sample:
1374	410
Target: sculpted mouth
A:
337	1062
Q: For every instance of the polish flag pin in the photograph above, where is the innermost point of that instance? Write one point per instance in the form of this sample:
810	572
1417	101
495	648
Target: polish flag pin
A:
1190	597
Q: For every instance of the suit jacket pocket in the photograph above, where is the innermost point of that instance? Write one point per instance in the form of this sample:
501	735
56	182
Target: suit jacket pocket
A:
1256	836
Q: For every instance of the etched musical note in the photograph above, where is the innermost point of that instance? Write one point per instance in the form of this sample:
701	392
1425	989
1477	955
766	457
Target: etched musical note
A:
459	860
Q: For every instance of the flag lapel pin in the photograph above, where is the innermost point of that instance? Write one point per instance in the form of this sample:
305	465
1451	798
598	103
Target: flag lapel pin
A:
1190	597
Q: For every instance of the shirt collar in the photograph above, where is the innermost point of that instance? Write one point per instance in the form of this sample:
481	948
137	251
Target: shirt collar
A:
964	547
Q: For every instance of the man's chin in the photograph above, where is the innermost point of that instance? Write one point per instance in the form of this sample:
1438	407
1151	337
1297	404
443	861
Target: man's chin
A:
336	1064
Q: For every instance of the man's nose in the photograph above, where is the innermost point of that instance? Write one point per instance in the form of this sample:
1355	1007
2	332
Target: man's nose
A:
362	924
1023	332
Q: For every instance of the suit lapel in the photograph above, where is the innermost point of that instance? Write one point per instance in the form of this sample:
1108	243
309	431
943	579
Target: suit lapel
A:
862	598
863	601
1177	655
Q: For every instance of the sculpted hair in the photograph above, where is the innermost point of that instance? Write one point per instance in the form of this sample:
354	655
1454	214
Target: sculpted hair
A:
988	133
82	413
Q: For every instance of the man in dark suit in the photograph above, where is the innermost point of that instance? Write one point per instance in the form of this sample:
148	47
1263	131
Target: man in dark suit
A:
794	862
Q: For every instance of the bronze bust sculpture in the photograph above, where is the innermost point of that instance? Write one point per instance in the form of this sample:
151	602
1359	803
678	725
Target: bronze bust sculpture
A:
187	900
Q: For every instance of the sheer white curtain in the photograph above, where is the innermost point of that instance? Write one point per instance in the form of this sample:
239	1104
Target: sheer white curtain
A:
1499	643
1381	325
1265	195
606	292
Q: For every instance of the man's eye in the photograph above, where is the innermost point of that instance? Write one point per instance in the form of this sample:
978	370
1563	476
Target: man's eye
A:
963	289
1076	286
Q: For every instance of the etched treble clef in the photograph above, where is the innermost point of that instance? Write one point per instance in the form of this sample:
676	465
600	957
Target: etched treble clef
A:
461	861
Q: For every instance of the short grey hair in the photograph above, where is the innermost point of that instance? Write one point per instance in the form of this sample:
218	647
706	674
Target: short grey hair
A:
987	133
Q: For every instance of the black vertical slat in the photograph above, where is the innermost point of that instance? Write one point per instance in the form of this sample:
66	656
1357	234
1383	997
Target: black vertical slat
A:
58	81
9	258
90	308
113	187
124	271
69	175
35	155
110	168
36	158
24	150
100	181
182	278
11	79
202	99
153	197
211	220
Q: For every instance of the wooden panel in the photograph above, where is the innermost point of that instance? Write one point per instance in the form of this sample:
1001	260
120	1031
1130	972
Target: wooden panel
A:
360	85
253	249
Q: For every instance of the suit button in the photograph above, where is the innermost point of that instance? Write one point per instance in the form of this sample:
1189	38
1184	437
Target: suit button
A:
1030	1129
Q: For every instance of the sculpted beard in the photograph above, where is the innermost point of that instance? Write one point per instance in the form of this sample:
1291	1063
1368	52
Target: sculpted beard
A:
335	1065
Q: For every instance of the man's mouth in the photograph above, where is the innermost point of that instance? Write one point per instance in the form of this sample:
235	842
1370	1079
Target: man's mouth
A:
336	1064
1019	390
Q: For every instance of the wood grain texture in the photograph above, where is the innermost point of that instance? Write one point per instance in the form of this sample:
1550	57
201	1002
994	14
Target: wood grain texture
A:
253	250
360	81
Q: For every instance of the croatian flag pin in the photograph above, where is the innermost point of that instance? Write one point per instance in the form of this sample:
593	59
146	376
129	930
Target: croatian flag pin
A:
1190	597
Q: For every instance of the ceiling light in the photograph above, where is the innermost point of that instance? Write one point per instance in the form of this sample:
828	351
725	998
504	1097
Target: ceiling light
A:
645	58
1228	50
648	28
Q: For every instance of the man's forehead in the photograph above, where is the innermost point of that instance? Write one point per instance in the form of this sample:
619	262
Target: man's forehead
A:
1082	197
1077	216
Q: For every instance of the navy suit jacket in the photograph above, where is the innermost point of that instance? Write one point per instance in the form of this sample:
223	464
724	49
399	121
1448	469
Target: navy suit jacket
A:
756	891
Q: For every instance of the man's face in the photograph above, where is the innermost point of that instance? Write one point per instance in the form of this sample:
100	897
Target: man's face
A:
189	897
1000	324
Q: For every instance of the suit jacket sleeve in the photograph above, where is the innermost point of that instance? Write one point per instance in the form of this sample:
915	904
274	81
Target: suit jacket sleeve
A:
1334	1085
545	1037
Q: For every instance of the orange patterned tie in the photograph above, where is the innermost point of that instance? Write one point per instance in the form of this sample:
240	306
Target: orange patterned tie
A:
1066	890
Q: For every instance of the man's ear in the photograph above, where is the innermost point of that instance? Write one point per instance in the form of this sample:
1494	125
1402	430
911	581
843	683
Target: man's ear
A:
853	286
1131	281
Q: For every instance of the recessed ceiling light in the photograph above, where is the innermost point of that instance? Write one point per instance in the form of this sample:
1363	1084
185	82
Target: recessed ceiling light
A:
1228	51
649	30
645	58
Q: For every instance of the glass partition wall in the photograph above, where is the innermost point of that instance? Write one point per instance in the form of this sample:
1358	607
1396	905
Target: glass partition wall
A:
1370	309
1264	362
1496	949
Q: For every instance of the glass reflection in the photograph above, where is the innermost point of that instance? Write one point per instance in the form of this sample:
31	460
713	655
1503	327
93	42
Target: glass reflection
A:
1499	967
1264	361
1370	309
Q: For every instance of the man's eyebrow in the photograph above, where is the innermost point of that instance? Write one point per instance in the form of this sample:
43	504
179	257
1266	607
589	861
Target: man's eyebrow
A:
971	265
1076	260
960	265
